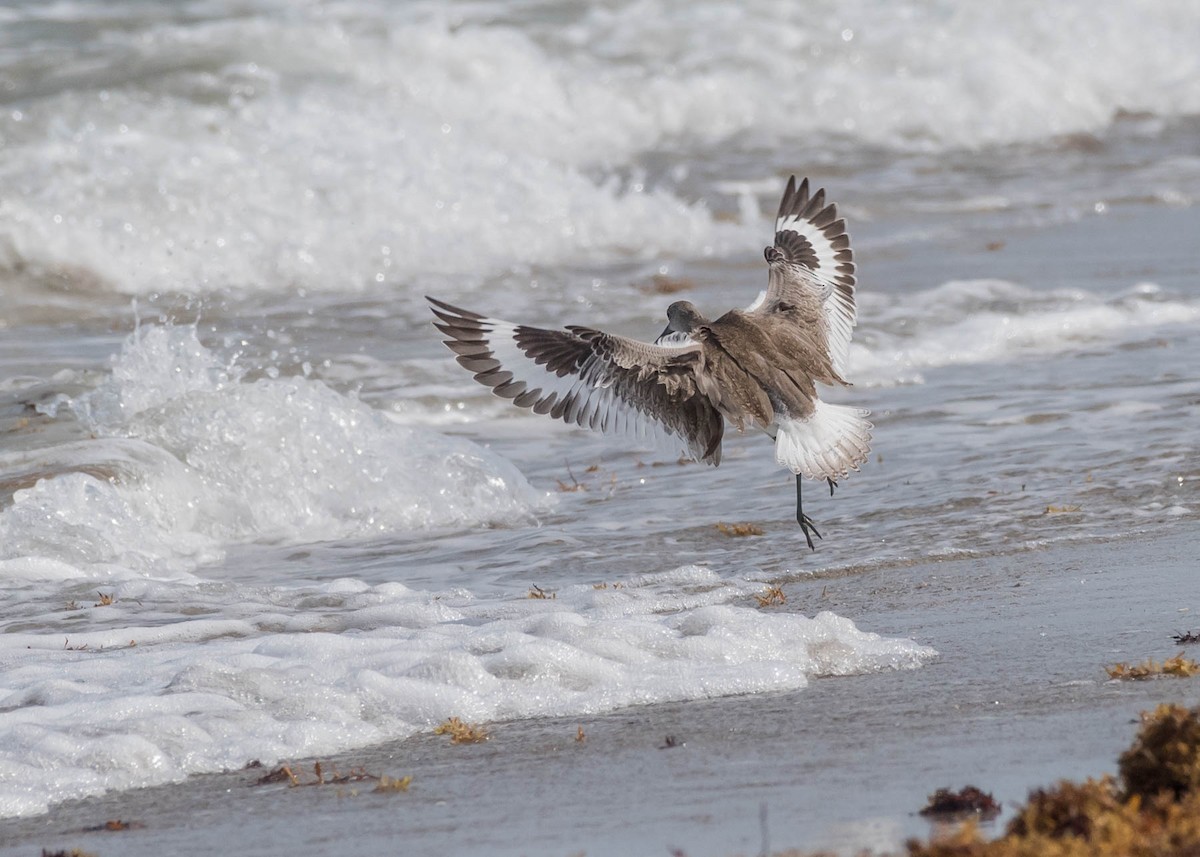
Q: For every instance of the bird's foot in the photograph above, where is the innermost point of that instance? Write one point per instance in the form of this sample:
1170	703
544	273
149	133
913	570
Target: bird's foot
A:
832	485
808	528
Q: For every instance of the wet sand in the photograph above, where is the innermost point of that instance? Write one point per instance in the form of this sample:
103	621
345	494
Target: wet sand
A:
1018	698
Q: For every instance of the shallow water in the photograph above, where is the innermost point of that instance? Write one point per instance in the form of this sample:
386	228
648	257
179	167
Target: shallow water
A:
224	409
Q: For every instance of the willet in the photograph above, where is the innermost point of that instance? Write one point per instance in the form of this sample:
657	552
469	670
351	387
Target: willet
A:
759	366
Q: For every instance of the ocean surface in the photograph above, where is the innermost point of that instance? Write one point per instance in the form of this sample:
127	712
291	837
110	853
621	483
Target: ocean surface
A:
250	508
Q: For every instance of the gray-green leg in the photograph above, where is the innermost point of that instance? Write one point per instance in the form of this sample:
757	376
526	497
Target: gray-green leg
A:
806	524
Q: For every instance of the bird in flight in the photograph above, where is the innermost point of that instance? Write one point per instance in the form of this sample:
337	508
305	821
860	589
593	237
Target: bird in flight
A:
754	367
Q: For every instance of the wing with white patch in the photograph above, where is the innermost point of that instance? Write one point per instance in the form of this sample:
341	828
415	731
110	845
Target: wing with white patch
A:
588	377
812	260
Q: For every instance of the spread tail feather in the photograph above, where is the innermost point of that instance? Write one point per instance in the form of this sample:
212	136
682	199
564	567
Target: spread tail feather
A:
830	443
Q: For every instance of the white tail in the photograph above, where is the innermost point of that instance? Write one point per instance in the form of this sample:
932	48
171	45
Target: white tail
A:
834	440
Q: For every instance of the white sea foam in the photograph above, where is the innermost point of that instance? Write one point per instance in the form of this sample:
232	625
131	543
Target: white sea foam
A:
157	695
344	148
198	457
985	321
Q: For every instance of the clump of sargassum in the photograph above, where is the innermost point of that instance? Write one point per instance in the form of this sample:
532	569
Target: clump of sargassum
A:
460	732
948	805
771	596
1179	666
320	777
734	530
1151	810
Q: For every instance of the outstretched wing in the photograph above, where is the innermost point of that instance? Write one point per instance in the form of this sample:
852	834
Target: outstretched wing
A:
588	377
812	262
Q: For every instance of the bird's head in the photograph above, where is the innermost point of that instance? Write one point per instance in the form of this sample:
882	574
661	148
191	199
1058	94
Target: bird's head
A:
682	317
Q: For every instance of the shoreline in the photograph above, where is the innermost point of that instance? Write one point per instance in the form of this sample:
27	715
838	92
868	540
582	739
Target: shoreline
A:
1018	699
